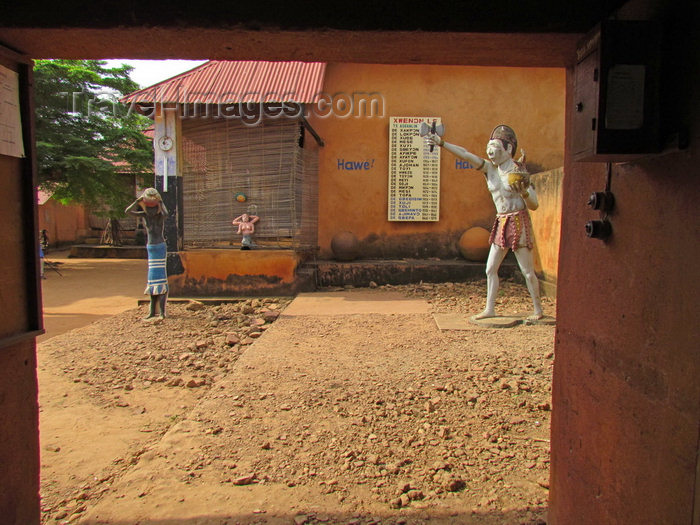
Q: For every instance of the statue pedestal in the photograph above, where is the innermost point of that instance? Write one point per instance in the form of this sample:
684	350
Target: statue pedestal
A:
501	321
463	322
547	320
509	321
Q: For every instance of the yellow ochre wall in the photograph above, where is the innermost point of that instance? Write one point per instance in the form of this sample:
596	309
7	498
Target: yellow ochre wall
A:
546	227
471	101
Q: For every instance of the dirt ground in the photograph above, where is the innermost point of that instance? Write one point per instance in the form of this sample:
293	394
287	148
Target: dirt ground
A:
254	412
80	291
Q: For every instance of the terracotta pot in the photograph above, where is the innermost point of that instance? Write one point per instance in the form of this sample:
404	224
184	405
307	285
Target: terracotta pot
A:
474	244
345	246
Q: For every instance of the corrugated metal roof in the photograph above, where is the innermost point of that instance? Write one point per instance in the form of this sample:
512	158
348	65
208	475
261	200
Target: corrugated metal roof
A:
224	81
43	196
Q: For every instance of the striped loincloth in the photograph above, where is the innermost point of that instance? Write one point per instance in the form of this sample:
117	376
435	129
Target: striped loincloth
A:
512	230
157	274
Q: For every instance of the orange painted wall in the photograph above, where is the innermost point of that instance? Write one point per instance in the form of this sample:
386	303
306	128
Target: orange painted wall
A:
471	101
64	224
546	222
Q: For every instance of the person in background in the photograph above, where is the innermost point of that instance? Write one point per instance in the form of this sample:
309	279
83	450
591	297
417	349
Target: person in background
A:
41	260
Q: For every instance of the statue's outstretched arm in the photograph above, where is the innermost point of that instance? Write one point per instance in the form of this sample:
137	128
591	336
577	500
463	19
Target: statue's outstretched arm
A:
459	151
462	153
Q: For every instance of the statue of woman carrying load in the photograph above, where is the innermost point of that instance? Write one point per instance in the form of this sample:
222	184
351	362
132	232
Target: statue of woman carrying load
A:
150	207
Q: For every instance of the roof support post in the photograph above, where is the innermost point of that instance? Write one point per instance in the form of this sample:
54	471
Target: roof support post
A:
167	146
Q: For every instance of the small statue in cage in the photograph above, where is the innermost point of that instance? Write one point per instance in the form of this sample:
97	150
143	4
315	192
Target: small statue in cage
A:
246	228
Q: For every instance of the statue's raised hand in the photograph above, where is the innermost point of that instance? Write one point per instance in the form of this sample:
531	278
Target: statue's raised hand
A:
434	139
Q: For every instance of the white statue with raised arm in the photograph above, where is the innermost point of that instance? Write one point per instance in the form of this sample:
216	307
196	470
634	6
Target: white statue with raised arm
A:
513	195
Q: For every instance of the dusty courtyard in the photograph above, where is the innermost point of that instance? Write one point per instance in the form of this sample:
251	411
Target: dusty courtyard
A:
350	406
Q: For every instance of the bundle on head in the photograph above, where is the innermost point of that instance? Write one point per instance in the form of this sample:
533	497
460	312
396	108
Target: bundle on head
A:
151	197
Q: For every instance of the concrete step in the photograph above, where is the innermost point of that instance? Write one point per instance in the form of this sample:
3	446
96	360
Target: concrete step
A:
305	280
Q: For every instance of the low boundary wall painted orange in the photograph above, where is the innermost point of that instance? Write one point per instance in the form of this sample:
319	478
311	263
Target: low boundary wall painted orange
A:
233	272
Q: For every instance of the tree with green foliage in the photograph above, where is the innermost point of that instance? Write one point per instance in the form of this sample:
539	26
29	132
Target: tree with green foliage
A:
86	140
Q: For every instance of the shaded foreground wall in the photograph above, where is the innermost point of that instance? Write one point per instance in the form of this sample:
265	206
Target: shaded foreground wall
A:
19	435
471	101
20	307
626	394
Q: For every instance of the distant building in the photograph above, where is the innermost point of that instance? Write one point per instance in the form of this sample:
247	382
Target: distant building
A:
306	147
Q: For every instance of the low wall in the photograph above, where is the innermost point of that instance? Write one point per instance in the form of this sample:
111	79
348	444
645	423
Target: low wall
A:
364	272
546	225
212	272
90	251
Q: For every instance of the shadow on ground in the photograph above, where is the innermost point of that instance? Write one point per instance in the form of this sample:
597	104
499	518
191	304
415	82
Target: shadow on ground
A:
515	517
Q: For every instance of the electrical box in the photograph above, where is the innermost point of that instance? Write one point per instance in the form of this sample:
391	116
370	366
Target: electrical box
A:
616	113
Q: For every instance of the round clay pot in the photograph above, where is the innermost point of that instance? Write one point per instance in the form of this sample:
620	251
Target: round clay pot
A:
345	246
474	244
151	203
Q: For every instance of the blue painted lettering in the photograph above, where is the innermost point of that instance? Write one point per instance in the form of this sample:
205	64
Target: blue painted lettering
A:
354	165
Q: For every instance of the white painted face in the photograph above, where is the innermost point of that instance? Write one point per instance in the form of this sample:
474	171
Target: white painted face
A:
496	153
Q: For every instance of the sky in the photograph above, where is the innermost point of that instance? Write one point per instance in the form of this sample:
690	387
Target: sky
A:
149	72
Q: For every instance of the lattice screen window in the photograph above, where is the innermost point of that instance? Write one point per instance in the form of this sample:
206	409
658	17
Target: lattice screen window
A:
223	157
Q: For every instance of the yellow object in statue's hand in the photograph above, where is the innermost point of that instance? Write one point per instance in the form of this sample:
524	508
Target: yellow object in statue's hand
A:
522	178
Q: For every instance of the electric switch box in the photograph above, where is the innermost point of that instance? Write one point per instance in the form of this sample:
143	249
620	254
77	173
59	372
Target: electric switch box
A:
616	114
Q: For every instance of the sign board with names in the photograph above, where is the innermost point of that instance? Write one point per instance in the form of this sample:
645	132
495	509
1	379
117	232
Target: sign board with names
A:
414	171
11	142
